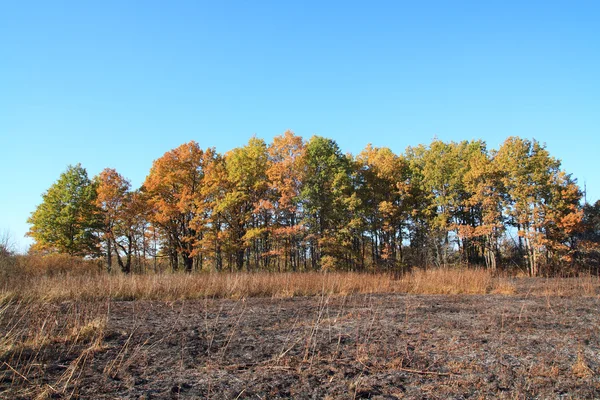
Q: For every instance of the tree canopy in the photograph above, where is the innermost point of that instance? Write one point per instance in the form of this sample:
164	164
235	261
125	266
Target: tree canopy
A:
305	205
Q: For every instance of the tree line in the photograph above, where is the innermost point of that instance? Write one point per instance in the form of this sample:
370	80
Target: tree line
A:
295	205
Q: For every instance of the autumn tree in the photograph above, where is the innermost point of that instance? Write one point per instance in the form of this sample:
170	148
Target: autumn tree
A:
242	207
210	219
541	201
485	225
172	189
383	190
562	218
422	245
284	173
112	190
67	219
295	205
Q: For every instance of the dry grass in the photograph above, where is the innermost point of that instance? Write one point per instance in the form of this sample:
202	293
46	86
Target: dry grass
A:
32	265
75	323
179	286
455	281
241	285
584	285
63	317
30	330
581	369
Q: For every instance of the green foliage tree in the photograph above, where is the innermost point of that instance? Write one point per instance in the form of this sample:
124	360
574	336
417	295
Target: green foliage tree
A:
326	191
588	237
67	220
437	172
591	222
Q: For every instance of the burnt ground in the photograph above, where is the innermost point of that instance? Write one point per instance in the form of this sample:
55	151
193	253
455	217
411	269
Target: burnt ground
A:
360	346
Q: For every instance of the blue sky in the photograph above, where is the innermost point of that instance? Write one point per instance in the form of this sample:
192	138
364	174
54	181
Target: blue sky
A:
118	83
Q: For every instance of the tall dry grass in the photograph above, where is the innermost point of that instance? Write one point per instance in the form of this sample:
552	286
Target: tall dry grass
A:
584	285
453	281
60	278
179	286
36	265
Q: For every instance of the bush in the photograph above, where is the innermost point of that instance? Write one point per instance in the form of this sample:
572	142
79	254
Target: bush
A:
55	264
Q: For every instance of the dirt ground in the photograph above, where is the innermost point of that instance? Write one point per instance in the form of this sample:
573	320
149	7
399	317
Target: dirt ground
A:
361	346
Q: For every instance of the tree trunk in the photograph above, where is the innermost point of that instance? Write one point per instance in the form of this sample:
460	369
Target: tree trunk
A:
188	262
174	260
108	255
239	259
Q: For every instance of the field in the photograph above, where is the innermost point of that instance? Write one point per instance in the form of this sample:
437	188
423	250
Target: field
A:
436	334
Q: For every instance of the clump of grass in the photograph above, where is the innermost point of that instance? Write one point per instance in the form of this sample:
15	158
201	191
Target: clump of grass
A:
451	281
92	331
581	369
503	286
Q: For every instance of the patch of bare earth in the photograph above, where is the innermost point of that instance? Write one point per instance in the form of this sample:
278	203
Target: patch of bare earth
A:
380	346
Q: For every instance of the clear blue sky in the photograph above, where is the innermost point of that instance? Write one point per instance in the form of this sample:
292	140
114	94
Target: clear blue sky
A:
118	83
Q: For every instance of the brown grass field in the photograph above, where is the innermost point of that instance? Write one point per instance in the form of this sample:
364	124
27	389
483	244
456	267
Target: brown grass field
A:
428	334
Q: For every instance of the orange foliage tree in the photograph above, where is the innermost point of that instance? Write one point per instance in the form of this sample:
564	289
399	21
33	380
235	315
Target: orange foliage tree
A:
174	193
